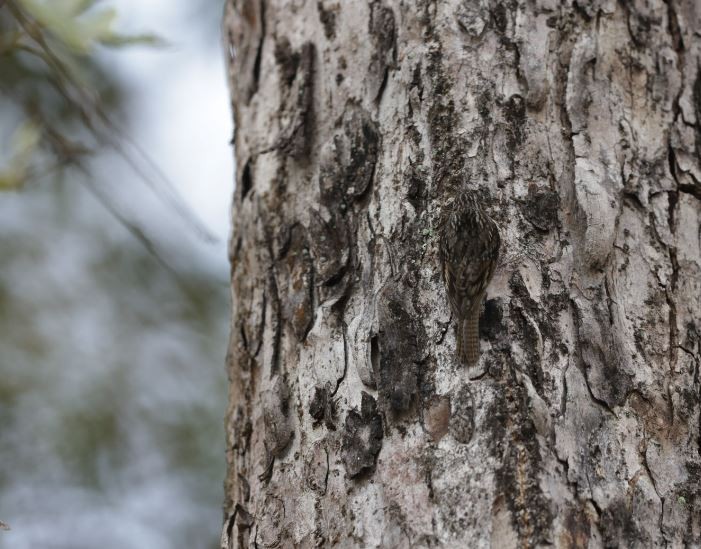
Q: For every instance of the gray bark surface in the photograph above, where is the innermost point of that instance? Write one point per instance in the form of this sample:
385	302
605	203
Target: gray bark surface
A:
351	423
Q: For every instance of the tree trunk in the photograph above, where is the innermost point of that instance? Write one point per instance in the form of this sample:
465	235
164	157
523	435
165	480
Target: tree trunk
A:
578	126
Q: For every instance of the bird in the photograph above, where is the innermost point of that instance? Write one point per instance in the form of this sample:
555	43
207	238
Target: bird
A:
469	245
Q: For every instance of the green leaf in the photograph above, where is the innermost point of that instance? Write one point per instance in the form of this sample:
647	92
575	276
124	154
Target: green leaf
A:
81	6
24	144
119	40
25	139
80	27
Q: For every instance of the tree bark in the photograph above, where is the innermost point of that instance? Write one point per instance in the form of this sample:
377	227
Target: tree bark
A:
351	423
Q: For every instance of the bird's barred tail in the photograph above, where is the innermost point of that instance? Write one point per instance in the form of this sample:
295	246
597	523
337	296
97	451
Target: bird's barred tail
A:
468	350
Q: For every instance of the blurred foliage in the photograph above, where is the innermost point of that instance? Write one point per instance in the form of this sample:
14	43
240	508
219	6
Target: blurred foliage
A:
55	83
112	385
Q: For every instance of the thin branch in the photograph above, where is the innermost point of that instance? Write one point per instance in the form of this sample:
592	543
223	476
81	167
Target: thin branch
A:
107	136
135	231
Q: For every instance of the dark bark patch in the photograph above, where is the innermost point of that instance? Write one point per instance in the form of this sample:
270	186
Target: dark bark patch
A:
528	334
416	88
577	531
272	294
348	159
322	407
362	438
295	269
619	383
514	112
462	422
447	150
546	311
693	488
287	60
640	24
603	366
674	29
246	38
617	522
492	327
297	90
382	28
485	104
398	347
259	51
374	357
330	245
541	208
276	418
246	180
697	109
519	290
235	252
243	430
515	444
529	339
415	187
500	18
302	101
362	145
328	20
252	303
243	521
448	147
691	337
586	8
383	32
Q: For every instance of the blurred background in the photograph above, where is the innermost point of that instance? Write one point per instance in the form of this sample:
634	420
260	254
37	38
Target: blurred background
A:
115	185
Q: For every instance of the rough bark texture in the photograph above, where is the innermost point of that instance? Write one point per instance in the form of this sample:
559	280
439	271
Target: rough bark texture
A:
350	421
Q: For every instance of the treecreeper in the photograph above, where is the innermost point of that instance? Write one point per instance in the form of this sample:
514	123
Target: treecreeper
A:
469	244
